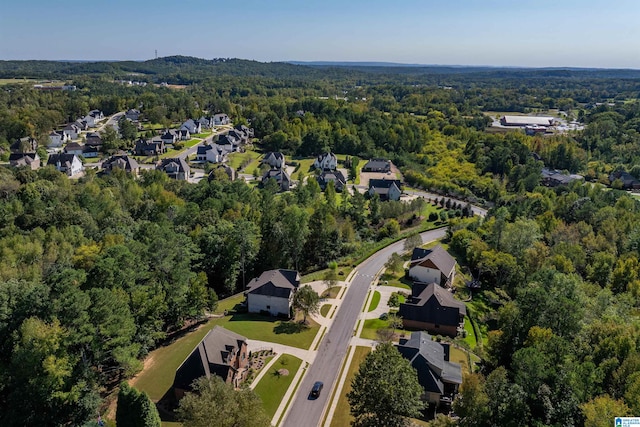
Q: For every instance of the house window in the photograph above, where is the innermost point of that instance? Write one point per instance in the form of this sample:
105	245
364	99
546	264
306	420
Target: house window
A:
268	307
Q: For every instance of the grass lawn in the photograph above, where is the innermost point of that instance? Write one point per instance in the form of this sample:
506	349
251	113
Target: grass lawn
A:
249	158
374	301
319	275
457	355
202	135
190	143
324	310
342	415
272	386
371	326
304	169
157	376
92	160
471	336
14	81
331	292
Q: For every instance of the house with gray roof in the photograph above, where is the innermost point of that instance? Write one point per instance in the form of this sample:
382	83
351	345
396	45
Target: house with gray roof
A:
272	292
222	353
439	377
335	176
212	153
149	147
21	160
123	162
377	165
281	177
434	309
555	178
433	265
274	159
326	161
132	114
176	168
386	189
221	119
192	126
628	181
24	145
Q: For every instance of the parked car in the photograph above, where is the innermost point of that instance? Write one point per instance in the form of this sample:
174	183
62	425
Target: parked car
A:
317	388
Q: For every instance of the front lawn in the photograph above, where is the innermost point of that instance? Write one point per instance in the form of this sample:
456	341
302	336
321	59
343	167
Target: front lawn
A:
273	386
371	327
342	415
332	292
374	301
304	168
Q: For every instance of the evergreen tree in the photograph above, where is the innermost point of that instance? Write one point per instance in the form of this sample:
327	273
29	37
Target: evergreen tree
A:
135	409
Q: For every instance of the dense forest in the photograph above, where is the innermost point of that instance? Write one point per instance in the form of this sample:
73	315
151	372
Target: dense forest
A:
95	273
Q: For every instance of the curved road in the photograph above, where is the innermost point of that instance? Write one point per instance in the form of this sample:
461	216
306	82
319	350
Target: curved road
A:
334	346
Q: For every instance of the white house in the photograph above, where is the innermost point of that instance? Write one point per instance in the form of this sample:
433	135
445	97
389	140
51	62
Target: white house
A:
326	161
69	164
273	292
56	139
433	266
74	148
93	118
221	119
211	153
274	159
71	130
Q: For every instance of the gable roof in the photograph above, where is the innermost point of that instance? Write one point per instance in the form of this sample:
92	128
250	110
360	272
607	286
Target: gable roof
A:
121	161
332	175
442	296
378	164
436	257
277	283
212	355
178	162
62	158
431	361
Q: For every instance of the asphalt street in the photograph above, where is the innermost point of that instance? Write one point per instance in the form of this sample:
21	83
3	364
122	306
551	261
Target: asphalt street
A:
333	348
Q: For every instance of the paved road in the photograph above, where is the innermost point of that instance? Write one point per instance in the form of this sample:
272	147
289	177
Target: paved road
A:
334	346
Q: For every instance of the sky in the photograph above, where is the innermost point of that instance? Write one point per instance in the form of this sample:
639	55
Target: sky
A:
540	33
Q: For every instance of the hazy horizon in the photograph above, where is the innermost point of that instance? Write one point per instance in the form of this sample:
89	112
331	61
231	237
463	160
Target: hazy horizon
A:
493	33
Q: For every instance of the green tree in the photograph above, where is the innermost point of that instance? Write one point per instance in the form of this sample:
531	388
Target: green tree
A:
128	131
307	301
601	410
472	402
394	263
385	389
212	399
412	242
135	409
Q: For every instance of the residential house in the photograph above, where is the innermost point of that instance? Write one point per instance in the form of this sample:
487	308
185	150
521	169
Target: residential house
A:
222	168
176	168
280	176
123	162
222	353
93	118
213	153
93	139
377	165
24	145
274	159
205	122
20	160
221	119
432	308
90	151
335	176
240	136
81	124
184	135
192	126
170	136
132	114
326	161
74	148
439	377
149	147
246	130
386	189
555	178
273	292
72	131
56	139
69	164
229	143
434	265
629	182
